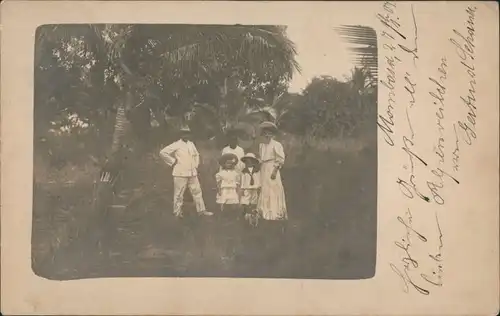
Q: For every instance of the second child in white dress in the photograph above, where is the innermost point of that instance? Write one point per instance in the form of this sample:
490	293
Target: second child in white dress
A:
250	188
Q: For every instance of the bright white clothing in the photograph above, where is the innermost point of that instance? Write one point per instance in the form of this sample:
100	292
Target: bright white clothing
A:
272	204
180	184
250	190
184	155
239	152
186	158
272	152
228	182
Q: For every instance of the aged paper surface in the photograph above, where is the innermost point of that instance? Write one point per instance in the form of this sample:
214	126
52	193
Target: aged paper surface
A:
437	194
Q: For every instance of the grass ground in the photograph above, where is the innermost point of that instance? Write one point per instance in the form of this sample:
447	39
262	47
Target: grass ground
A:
331	233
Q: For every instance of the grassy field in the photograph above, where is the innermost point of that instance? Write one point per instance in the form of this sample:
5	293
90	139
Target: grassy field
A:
331	196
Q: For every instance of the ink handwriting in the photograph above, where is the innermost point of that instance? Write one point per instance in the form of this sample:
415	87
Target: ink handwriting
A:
427	170
409	263
465	50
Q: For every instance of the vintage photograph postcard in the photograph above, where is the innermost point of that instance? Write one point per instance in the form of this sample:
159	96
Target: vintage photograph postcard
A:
249	158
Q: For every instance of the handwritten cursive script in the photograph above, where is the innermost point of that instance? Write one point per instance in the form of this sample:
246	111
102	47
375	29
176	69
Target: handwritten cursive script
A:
409	269
456	151
408	262
425	173
390	32
465	50
438	99
436	276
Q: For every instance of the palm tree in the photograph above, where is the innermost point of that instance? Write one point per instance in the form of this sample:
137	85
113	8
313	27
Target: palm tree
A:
102	46
360	80
364	50
170	64
364	77
232	61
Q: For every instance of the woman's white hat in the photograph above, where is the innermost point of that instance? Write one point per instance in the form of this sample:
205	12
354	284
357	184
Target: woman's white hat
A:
268	126
250	156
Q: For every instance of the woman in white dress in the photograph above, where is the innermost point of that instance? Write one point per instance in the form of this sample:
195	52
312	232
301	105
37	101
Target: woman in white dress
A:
272	204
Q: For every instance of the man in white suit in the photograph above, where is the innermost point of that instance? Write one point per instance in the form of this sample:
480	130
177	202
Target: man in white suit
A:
184	159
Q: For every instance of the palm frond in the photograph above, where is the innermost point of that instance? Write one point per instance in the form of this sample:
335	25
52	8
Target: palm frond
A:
364	52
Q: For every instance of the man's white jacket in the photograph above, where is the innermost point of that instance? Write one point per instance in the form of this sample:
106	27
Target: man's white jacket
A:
184	156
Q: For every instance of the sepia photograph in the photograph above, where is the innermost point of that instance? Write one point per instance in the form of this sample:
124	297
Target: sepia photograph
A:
249	157
191	150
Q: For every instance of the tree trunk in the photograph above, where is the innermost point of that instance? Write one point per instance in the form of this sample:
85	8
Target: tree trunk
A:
120	126
122	123
111	171
223	114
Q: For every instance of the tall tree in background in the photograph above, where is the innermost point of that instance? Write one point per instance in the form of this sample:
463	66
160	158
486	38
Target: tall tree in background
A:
91	80
330	107
113	77
167	69
142	74
242	68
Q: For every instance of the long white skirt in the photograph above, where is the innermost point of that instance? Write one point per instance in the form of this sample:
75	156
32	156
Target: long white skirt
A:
272	204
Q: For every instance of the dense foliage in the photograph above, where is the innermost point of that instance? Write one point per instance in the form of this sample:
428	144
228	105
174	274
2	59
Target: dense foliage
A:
156	73
105	81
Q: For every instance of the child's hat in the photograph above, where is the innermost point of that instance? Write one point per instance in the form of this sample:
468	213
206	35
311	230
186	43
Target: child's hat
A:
250	156
229	156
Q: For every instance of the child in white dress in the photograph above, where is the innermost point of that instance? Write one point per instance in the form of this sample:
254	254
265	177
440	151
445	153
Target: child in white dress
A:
228	182
228	186
250	188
